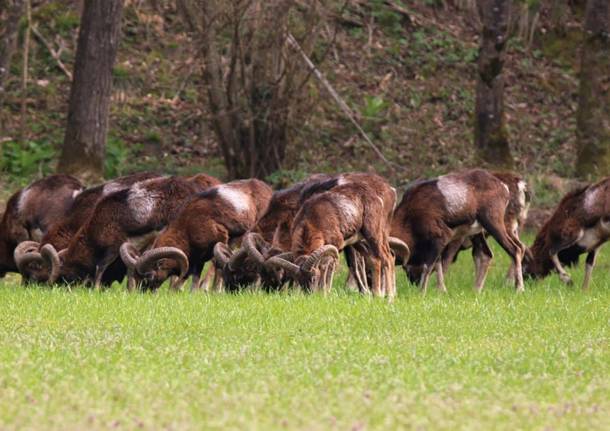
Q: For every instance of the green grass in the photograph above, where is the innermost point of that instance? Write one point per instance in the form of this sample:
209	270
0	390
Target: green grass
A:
95	360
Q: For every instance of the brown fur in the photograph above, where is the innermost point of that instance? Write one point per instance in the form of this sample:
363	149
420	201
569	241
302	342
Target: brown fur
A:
204	221
44	202
355	207
426	223
514	217
96	244
274	228
61	232
563	232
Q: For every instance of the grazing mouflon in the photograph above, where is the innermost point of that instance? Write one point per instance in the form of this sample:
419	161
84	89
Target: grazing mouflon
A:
135	214
450	208
31	212
580	224
218	215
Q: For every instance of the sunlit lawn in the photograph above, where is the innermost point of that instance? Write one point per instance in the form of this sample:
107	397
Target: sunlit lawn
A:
89	360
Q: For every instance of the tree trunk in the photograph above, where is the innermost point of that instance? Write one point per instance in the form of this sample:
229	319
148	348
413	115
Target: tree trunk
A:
85	139
491	139
10	13
593	118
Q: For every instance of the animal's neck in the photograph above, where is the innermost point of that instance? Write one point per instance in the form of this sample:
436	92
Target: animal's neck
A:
541	263
174	238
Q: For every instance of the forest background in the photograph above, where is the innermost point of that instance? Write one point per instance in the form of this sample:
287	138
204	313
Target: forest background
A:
283	88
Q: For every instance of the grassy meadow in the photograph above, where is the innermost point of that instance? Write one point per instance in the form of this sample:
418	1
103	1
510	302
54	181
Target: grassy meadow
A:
82	359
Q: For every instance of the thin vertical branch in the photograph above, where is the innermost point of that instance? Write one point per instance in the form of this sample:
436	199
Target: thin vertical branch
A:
25	66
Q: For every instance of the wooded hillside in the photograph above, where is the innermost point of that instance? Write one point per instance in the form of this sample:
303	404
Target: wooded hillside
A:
406	69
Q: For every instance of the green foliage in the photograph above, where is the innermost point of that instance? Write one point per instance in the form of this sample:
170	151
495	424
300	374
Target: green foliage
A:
546	194
429	49
153	137
374	107
119	157
563	49
120	73
21	161
58	17
285	177
373	112
389	20
85	359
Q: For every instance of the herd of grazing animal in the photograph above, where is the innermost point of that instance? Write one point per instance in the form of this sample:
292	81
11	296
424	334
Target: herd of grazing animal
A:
151	228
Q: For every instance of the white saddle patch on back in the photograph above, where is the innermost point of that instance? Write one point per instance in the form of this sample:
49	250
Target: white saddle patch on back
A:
23	198
590	199
342	181
112	187
454	191
75	193
142	202
239	200
348	209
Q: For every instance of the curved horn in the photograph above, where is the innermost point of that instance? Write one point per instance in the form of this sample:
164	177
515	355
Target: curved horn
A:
251	243
25	253
400	248
314	258
151	256
237	258
50	255
222	253
129	254
280	262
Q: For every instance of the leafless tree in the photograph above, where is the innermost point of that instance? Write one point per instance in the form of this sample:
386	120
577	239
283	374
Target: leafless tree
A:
254	80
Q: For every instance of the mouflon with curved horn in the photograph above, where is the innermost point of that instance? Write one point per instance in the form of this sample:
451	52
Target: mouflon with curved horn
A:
29	215
344	211
270	236
34	266
450	208
580	224
218	215
134	214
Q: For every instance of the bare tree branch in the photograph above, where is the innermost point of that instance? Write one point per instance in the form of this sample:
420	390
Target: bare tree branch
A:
340	102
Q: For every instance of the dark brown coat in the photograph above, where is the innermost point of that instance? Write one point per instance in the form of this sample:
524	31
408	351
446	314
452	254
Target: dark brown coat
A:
580	224
433	213
30	213
217	215
355	207
132	214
